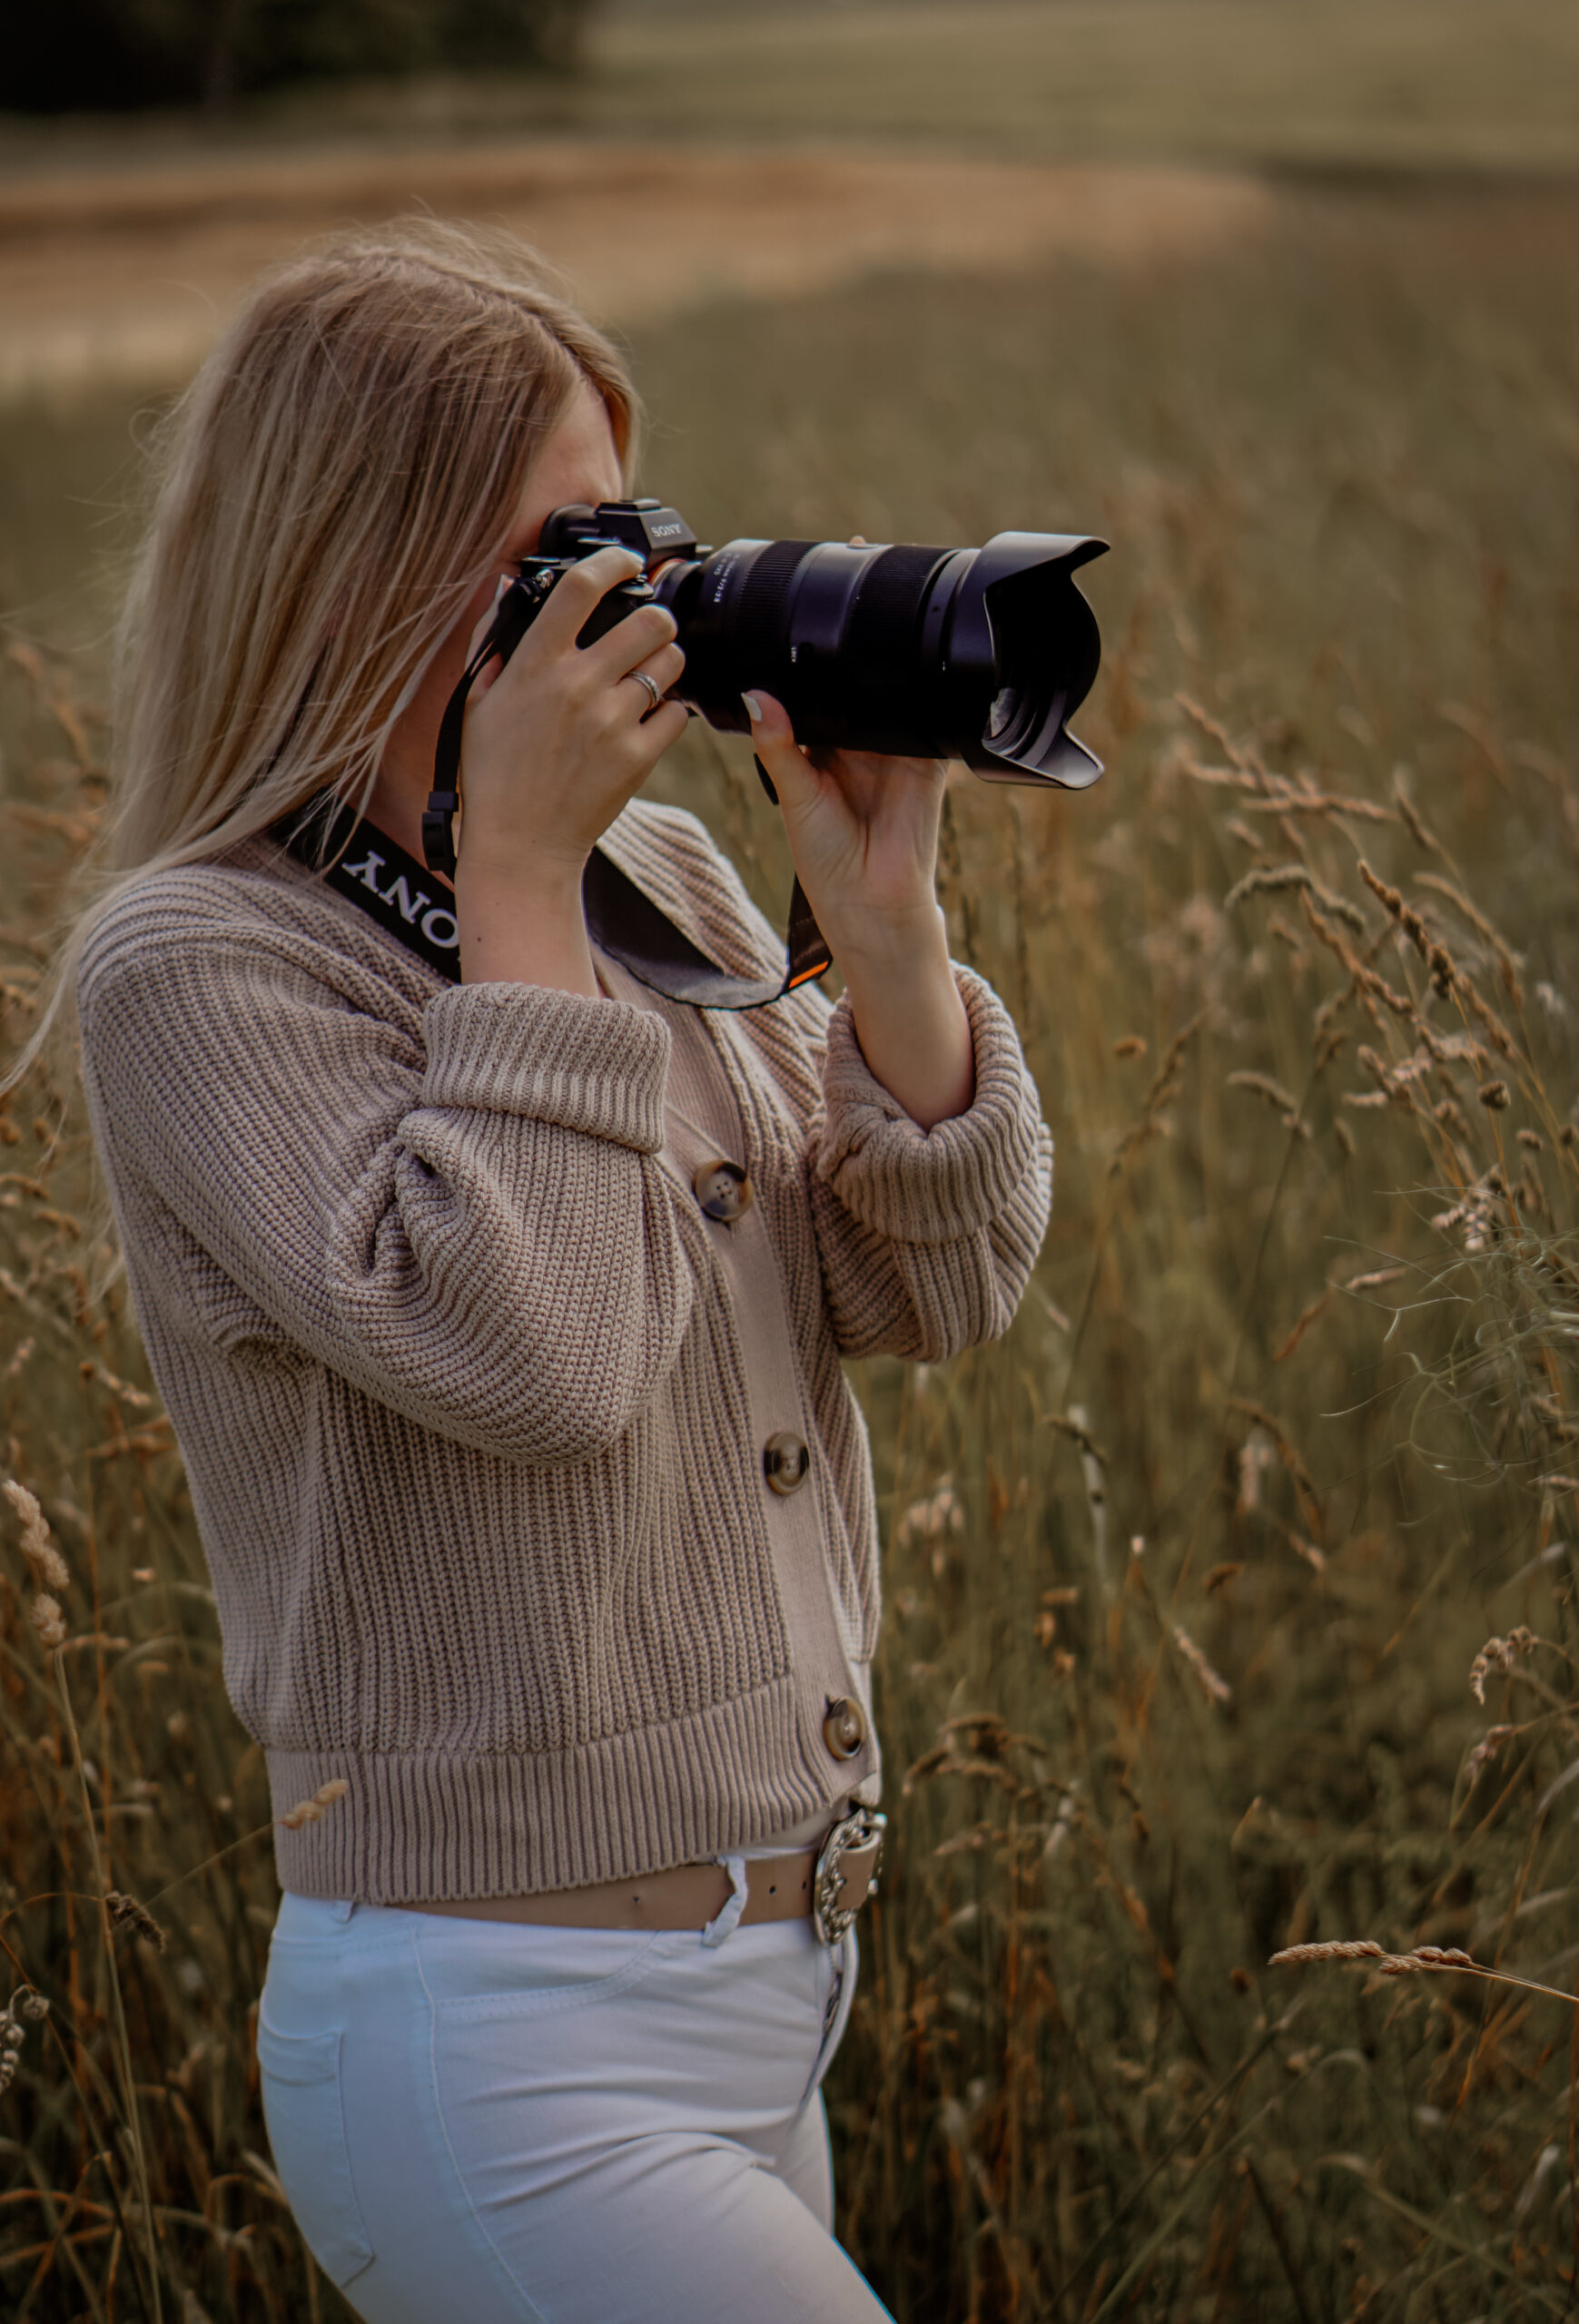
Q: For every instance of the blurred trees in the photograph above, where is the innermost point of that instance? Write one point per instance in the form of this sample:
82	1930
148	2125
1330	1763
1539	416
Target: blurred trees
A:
122	54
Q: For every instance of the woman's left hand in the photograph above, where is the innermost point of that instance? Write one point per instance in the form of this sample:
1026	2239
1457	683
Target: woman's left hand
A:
864	833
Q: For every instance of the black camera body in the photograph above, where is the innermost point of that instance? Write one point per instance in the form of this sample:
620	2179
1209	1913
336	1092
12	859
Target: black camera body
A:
979	654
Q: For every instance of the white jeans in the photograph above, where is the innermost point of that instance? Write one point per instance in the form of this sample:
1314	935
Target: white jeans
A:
477	2120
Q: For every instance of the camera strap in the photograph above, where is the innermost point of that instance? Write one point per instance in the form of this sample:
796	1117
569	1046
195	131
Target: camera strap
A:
622	919
367	867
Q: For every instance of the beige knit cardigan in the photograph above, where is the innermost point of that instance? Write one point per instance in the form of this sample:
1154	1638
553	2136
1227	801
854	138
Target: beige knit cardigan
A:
472	1395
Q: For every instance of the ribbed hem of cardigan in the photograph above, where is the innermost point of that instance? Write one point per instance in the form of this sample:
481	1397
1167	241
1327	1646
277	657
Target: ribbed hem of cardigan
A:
593	1066
436	1824
918	1185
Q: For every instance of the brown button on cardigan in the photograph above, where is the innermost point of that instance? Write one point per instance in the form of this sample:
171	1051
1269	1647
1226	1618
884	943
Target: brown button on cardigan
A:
472	1397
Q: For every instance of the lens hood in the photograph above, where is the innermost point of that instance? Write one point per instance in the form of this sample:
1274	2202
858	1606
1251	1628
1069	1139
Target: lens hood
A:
1022	653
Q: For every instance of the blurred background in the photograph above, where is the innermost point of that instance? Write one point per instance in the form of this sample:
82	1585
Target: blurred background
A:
1231	1597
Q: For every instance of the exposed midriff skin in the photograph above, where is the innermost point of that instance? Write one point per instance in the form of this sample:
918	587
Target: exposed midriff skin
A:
559	740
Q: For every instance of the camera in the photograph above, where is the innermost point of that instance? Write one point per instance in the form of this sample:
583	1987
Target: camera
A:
980	655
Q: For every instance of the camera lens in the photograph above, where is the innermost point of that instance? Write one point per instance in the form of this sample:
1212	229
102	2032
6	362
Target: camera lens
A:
979	654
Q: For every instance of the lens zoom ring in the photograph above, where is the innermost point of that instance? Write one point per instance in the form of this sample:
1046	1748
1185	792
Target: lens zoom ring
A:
885	620
881	650
755	631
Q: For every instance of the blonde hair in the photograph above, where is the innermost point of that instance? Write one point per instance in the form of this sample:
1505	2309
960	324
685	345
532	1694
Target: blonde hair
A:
335	484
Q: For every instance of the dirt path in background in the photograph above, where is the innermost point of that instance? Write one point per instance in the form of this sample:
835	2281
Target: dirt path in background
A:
128	276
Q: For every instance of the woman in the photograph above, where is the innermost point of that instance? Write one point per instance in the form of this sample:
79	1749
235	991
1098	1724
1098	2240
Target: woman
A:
499	1304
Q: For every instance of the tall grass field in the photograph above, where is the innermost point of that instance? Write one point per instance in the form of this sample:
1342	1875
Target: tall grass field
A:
1230	1598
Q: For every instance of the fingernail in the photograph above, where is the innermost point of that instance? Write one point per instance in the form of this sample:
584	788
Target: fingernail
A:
752	708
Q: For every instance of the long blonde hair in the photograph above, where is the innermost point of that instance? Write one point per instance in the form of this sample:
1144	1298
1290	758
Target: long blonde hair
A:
334	485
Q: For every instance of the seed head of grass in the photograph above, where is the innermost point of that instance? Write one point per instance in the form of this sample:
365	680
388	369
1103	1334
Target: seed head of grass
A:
926	1521
1407	918
1212	1683
1499	1654
1485	1751
1495	943
1423	1958
1277	879
308	1811
49	1621
23	2005
125	1912
45	1562
1262	1085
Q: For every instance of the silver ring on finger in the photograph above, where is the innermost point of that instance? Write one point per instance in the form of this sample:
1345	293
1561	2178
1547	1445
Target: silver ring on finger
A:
652	687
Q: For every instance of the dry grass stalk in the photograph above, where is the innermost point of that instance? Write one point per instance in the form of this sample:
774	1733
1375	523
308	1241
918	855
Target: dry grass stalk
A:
1367	980
1398	1082
1502	1040
1485	1751
1093	1476
1288	1452
1315	1307
1418	831
308	1811
122	1390
1288	801
1476	918
1068	1424
48	1620
125	1912
45	1562
1242	761
1278	878
1499	1654
1212	1683
932	1517
1408	920
1447	976
1257	1455
47	1567
1164	1089
24	2007
1221	778
1262	1086
1482	1213
1424	1961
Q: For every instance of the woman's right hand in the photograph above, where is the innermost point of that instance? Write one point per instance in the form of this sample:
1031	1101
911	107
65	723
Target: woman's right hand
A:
555	742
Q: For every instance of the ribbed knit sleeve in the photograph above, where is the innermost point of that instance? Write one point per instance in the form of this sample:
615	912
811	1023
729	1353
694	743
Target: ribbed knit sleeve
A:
928	1237
457	1207
552	1057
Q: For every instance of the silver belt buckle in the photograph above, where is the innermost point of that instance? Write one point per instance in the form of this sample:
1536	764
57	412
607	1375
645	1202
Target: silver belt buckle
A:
856	1830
